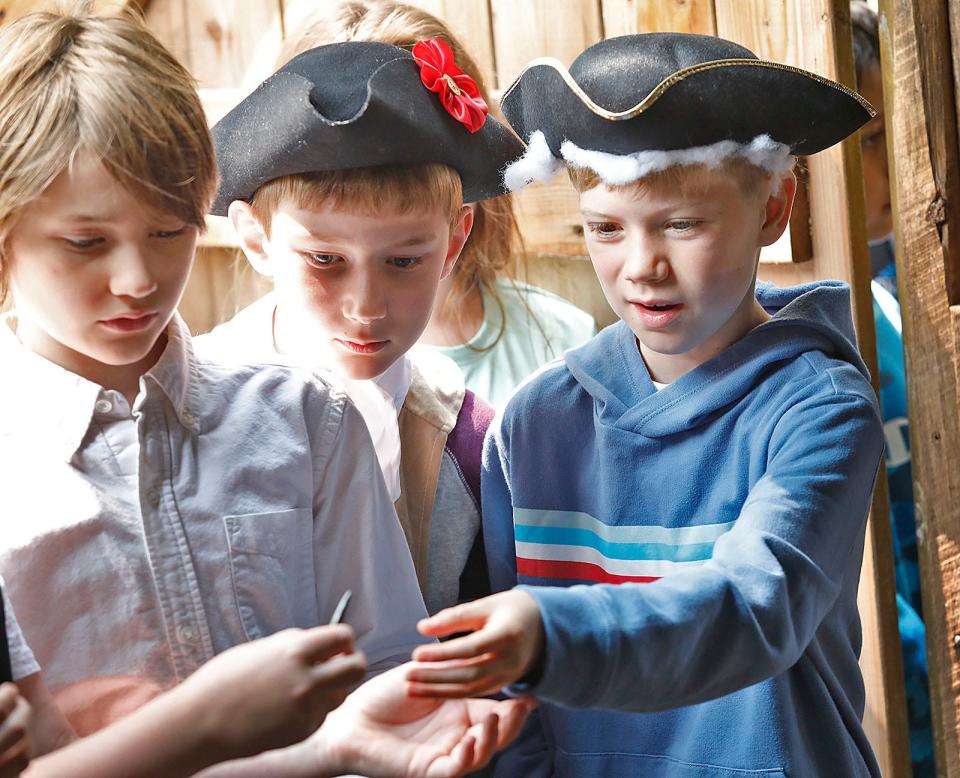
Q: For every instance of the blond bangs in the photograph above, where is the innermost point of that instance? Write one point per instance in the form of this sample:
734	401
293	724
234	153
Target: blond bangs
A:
399	189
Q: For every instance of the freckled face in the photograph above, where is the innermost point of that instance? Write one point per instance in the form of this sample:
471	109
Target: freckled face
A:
678	264
355	291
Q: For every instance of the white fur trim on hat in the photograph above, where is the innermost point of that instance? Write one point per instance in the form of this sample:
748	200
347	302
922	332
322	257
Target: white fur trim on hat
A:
536	164
617	169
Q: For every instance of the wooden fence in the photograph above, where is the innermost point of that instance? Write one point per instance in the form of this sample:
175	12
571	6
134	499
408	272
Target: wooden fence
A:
920	46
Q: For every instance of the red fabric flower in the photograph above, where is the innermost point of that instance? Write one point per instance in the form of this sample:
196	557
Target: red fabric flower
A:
458	92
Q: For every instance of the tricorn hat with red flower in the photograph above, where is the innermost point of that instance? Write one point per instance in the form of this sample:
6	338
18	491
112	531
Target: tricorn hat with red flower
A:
362	104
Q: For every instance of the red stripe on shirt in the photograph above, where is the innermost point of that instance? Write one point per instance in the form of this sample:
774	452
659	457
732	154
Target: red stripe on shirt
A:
577	571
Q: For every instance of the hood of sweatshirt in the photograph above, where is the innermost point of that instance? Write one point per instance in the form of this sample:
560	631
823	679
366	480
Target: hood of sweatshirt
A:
810	317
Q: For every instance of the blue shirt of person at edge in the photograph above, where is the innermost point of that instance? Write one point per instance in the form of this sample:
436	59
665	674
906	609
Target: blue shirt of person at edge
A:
896	427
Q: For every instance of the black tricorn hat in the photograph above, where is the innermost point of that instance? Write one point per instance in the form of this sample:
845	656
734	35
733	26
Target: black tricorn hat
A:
352	105
671	91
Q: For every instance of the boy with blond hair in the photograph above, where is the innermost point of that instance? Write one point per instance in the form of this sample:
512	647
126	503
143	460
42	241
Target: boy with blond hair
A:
683	499
350	192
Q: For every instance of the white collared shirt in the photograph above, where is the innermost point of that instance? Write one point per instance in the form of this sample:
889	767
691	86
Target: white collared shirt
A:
249	337
227	504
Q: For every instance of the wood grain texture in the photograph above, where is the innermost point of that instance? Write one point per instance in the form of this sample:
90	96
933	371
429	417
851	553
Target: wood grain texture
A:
541	28
167	19
548	214
471	22
224	43
918	141
222	282
626	17
570	277
549	218
14	9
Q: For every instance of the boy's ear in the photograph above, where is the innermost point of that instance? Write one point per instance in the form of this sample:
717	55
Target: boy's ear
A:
777	209
458	238
252	236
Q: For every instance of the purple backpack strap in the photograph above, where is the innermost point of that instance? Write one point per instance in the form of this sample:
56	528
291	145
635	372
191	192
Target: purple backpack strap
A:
465	444
465	441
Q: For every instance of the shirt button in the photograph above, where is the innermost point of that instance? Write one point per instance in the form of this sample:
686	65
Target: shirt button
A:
153	494
186	634
103	406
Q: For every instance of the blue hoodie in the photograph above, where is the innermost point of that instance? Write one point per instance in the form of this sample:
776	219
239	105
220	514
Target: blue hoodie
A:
720	525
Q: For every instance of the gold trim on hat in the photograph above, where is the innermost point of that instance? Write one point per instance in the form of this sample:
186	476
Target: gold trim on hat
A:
671	80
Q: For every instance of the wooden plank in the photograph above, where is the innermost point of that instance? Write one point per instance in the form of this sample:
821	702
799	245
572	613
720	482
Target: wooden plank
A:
541	28
469	20
764	26
626	17
548	214
14	9
786	273
471	23
549	218
167	19
917	84
224	43
816	35
953	10
296	13
573	278
221	283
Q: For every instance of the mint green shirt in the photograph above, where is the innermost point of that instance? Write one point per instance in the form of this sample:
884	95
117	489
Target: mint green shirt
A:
493	368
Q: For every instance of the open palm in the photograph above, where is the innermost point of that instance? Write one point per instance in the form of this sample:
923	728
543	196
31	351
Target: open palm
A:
381	732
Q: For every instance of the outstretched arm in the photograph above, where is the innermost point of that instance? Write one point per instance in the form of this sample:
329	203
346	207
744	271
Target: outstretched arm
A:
746	615
256	696
381	732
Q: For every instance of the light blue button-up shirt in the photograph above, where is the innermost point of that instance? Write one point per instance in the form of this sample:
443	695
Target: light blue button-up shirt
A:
228	503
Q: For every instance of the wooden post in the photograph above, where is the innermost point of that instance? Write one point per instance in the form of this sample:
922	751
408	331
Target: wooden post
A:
816	35
922	147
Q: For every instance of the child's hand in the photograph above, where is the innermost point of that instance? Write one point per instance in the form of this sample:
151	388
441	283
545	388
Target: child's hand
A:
275	691
504	645
14	738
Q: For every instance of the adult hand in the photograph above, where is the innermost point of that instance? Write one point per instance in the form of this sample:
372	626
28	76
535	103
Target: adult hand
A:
504	644
381	732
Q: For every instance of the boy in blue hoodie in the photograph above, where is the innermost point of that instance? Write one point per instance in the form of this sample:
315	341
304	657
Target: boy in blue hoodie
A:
684	498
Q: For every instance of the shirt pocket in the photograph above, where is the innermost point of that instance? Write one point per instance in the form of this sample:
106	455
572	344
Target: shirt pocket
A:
272	567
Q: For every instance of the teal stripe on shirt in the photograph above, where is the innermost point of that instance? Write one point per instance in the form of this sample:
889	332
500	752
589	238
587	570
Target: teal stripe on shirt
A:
623	533
563	536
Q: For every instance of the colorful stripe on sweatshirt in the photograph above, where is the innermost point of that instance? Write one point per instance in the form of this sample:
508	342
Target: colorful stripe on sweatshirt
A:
575	546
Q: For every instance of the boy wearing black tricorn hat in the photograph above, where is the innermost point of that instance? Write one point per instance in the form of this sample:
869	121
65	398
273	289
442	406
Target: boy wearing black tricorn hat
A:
706	463
345	174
